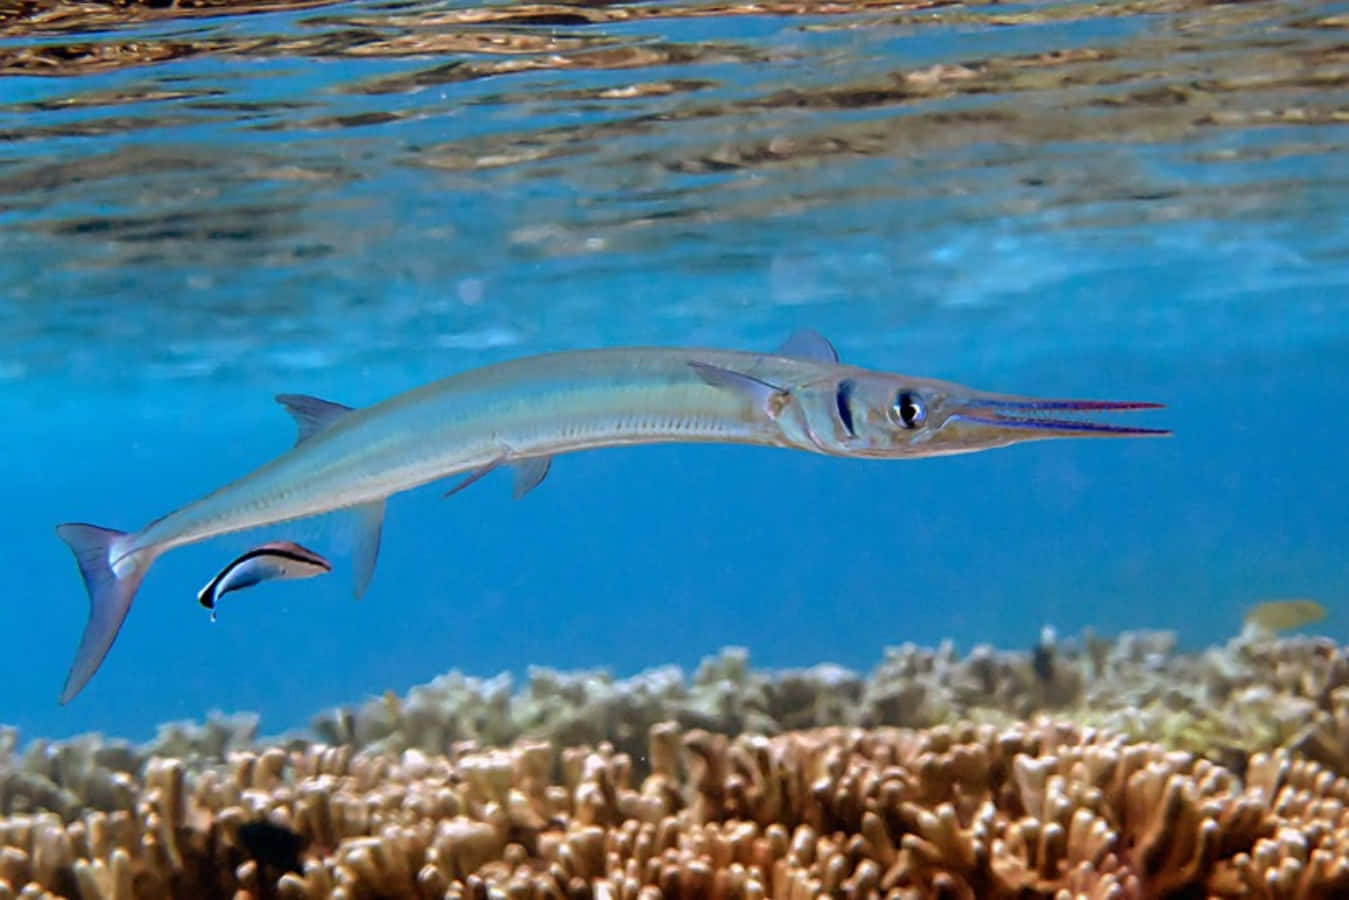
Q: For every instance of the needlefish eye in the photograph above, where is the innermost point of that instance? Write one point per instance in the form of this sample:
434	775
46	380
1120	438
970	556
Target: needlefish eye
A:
909	410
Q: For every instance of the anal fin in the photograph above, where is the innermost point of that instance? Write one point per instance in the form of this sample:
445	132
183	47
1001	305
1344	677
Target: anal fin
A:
365	551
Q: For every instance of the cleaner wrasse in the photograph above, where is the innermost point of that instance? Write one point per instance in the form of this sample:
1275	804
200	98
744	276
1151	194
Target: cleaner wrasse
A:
523	412
272	561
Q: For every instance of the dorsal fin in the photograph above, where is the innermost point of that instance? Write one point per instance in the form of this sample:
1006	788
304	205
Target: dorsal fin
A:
806	343
311	414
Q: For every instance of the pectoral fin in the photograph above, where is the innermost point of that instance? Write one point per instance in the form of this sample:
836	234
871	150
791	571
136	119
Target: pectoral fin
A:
311	414
763	395
369	525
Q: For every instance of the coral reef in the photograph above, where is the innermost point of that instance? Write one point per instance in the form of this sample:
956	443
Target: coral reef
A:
971	810
1257	693
92	773
1147	772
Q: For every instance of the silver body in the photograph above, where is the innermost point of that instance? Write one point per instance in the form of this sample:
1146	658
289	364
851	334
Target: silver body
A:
535	406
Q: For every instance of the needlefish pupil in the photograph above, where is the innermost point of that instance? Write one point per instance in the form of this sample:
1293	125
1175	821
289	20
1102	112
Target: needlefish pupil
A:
909	409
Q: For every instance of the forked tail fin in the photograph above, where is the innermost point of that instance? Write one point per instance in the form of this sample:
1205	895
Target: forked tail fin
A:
111	590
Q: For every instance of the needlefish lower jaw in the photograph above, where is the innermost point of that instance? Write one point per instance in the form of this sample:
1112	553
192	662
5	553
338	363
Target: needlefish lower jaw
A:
984	422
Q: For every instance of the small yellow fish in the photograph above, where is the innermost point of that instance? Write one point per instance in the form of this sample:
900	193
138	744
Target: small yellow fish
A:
1281	615
393	705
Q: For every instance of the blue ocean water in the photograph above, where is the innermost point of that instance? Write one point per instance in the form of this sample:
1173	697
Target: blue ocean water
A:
201	208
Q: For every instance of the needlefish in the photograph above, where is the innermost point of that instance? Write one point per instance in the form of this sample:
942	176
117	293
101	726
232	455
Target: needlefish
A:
523	412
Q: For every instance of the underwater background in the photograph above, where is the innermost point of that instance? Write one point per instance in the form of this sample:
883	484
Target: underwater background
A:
202	207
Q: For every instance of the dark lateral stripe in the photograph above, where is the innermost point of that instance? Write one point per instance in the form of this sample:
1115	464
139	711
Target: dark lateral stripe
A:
312	559
843	400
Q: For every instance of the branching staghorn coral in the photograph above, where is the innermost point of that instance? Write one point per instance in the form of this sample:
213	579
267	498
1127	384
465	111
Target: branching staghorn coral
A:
1252	695
973	810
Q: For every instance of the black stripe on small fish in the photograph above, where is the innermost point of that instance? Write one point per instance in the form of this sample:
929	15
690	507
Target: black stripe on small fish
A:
843	400
207	596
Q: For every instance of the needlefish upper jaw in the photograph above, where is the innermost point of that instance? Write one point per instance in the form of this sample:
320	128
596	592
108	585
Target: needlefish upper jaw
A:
982	421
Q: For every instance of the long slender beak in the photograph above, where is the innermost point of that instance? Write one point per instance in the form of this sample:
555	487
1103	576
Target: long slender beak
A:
1025	418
